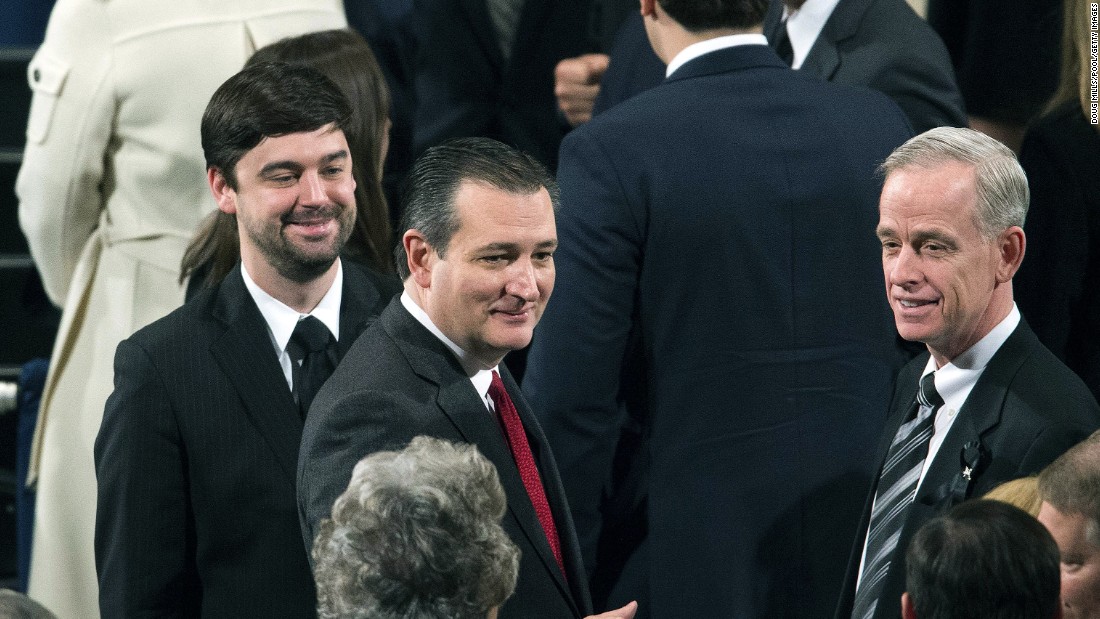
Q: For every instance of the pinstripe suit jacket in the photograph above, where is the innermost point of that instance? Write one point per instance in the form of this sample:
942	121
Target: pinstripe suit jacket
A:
196	461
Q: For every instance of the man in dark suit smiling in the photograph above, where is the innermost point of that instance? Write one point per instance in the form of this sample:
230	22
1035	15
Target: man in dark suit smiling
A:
477	260
987	402
196	456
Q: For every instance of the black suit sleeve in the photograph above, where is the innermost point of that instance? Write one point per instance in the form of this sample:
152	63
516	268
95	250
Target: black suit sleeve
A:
142	523
573	382
923	89
340	432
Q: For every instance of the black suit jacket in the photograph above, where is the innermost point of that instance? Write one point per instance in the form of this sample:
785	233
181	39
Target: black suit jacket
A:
196	460
880	44
1026	409
399	381
725	219
1056	285
884	45
1006	53
465	87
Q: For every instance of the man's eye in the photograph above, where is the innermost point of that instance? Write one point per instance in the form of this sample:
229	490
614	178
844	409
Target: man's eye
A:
543	256
492	259
333	171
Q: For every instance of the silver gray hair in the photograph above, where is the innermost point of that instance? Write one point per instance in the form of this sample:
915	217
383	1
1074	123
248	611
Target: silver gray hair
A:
1001	183
416	535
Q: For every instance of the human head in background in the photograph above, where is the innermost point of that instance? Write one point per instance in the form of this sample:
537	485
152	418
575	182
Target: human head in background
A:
982	560
346	59
1070	489
477	251
417	534
672	25
950	224
279	162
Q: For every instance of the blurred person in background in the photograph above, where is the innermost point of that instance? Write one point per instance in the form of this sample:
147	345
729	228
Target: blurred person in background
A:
982	560
1070	489
111	189
1061	154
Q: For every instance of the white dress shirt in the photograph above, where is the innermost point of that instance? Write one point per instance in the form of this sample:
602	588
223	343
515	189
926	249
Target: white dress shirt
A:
693	51
956	379
954	382
481	378
281	319
805	24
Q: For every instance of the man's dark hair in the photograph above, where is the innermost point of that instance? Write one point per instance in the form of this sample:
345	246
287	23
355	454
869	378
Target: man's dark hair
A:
428	200
267	100
983	560
701	15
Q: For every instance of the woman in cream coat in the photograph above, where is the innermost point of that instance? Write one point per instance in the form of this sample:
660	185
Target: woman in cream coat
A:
111	189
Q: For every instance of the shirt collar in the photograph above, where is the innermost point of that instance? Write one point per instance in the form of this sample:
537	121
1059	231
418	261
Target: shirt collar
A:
963	371
805	24
693	51
281	318
480	377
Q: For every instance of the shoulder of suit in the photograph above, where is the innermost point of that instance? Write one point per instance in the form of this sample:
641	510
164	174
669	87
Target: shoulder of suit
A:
195	317
385	284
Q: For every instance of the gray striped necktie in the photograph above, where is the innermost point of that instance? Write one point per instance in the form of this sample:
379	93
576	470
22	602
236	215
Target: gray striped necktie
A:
897	487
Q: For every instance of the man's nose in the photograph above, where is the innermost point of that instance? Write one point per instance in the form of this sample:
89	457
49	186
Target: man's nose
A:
904	268
312	189
522	281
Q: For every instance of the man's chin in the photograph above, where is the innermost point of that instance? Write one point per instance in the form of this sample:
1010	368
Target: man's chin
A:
306	268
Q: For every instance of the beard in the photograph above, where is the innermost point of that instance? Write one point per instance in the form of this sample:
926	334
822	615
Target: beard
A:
302	262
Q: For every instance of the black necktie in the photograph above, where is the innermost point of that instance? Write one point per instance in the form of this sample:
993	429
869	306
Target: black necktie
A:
783	44
897	488
312	353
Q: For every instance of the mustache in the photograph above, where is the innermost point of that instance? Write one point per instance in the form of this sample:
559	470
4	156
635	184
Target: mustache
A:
302	215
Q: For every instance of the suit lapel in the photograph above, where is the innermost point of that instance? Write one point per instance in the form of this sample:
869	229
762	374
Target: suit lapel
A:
462	405
824	57
979	414
247	358
359	297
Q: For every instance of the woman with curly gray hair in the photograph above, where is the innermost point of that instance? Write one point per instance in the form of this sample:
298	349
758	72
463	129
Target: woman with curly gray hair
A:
417	535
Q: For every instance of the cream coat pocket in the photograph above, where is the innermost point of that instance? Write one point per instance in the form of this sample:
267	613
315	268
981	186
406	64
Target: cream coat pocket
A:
46	76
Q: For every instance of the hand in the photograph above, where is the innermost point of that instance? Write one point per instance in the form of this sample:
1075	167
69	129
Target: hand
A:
576	84
626	612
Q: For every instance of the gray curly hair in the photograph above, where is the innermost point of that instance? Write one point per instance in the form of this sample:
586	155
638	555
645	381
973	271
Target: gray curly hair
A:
416	535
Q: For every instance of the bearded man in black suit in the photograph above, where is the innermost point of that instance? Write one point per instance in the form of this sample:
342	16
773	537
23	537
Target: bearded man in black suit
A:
197	452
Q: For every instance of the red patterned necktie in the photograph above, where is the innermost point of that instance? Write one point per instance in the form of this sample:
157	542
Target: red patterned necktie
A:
521	451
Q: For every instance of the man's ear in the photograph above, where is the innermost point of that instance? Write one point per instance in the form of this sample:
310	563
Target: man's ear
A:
224	195
907	610
421	257
1011	245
